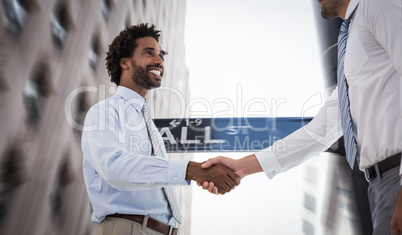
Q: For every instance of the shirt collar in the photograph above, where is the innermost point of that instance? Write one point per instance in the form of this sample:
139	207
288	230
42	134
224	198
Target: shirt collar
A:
351	8
131	96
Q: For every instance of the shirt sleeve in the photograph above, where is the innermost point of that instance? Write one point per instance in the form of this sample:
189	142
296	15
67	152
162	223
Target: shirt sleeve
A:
317	136
120	168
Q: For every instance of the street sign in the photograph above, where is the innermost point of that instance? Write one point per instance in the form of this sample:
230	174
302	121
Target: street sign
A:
225	134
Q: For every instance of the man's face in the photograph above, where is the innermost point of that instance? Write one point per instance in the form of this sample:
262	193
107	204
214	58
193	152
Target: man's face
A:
331	8
147	63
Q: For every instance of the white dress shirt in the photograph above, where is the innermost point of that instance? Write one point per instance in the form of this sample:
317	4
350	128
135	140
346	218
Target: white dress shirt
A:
120	174
373	68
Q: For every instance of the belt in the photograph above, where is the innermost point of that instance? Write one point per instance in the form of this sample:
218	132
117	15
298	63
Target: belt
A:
383	166
149	222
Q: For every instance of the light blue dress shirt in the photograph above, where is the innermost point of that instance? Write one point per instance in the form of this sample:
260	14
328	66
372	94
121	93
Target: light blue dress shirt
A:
121	175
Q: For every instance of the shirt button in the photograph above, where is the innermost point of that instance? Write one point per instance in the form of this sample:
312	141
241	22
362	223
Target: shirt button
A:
176	178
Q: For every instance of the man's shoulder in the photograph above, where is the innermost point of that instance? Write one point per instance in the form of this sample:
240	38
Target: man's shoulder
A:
374	8
108	104
111	101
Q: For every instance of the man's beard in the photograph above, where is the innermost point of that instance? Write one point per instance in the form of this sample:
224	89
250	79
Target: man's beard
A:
141	78
331	8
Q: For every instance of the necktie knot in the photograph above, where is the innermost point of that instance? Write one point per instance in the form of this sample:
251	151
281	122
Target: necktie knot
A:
344	27
145	109
345	24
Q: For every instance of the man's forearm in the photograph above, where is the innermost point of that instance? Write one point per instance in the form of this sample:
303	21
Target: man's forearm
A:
191	170
249	165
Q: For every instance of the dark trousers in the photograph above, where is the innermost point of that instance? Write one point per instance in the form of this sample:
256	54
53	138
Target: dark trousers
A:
383	195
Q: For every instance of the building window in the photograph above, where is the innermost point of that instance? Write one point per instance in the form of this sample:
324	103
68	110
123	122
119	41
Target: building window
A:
36	91
80	110
15	15
308	228
311	175
57	198
106	7
11	176
344	192
3	84
310	202
59	25
94	52
128	24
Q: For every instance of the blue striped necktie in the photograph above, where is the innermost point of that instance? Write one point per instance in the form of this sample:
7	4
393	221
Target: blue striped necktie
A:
344	106
170	191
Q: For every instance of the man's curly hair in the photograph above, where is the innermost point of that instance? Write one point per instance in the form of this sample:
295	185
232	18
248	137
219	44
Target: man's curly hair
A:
123	46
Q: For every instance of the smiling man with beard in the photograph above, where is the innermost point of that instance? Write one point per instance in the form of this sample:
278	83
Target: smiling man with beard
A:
127	174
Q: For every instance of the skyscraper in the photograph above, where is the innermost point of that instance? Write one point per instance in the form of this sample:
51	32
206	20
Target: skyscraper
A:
51	71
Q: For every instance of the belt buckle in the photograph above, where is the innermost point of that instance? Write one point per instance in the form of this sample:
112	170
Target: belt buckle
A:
368	174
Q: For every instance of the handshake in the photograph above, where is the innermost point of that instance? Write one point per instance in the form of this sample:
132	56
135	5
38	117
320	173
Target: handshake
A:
221	174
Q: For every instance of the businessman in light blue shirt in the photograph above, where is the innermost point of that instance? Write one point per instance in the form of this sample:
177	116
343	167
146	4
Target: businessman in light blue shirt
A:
123	177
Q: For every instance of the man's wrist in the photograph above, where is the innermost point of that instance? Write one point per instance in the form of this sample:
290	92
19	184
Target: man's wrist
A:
191	168
249	165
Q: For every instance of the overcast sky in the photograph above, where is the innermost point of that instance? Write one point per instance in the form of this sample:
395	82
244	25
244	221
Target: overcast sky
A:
245	51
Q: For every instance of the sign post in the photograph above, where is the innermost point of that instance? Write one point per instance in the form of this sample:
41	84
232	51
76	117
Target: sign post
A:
225	134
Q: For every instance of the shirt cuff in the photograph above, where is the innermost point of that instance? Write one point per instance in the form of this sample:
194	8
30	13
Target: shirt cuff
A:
177	172
268	162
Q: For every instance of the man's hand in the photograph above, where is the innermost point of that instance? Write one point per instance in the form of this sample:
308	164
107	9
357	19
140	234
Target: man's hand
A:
229	162
242	167
396	222
223	178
